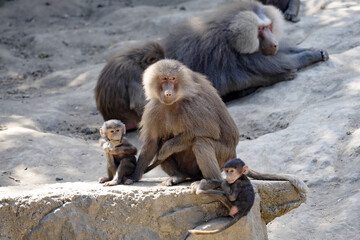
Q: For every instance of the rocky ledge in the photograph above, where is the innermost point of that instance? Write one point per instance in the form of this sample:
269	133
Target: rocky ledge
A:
144	210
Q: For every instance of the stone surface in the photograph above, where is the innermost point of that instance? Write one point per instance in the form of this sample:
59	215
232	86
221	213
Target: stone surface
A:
308	126
142	211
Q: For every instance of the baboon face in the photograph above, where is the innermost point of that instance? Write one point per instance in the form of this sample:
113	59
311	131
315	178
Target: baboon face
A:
167	86
114	134
113	130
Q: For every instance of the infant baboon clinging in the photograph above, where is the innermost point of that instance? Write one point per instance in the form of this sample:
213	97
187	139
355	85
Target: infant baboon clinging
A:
120	154
238	48
118	92
237	193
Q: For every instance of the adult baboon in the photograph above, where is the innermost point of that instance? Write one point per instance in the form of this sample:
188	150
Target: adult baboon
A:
185	124
237	47
187	128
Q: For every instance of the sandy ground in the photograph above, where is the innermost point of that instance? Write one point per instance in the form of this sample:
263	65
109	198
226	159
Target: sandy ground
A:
51	53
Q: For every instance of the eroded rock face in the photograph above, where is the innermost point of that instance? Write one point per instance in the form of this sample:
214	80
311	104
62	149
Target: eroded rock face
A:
141	211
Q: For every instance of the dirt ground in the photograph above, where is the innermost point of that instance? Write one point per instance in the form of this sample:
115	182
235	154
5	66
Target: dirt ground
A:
51	53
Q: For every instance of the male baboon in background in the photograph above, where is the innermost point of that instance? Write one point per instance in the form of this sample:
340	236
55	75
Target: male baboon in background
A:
118	92
187	128
237	47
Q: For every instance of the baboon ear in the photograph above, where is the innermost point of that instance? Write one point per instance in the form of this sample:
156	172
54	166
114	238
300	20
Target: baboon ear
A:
102	132
245	170
150	59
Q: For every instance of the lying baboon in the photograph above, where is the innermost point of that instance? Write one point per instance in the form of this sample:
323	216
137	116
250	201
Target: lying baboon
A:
238	48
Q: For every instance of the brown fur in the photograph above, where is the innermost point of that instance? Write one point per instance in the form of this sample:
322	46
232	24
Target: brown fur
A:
194	135
120	154
191	137
236	193
118	92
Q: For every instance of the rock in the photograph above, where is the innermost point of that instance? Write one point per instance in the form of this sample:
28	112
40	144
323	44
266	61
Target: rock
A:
141	211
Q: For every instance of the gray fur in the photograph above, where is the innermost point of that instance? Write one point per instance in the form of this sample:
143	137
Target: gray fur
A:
222	46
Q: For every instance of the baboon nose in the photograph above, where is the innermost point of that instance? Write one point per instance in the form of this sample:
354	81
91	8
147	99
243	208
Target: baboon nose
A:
168	94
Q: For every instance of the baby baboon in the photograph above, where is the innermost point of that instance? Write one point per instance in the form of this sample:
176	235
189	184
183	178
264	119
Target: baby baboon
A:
120	154
118	92
237	193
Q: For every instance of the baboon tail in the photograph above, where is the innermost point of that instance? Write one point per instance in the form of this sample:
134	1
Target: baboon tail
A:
295	181
226	226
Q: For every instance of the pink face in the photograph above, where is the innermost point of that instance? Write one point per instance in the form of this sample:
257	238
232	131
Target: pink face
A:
168	87
233	174
114	134
268	43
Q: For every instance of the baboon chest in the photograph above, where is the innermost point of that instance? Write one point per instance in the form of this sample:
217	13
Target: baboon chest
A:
173	123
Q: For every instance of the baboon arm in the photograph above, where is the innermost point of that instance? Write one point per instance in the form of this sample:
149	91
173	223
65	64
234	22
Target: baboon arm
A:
176	144
148	151
292	11
294	6
124	150
229	193
219	196
111	167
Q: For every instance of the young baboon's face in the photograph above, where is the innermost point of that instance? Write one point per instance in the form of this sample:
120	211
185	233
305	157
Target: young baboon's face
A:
114	134
231	174
113	130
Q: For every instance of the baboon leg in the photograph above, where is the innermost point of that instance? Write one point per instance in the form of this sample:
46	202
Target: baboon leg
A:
171	168
125	168
311	55
207	187
111	169
204	151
